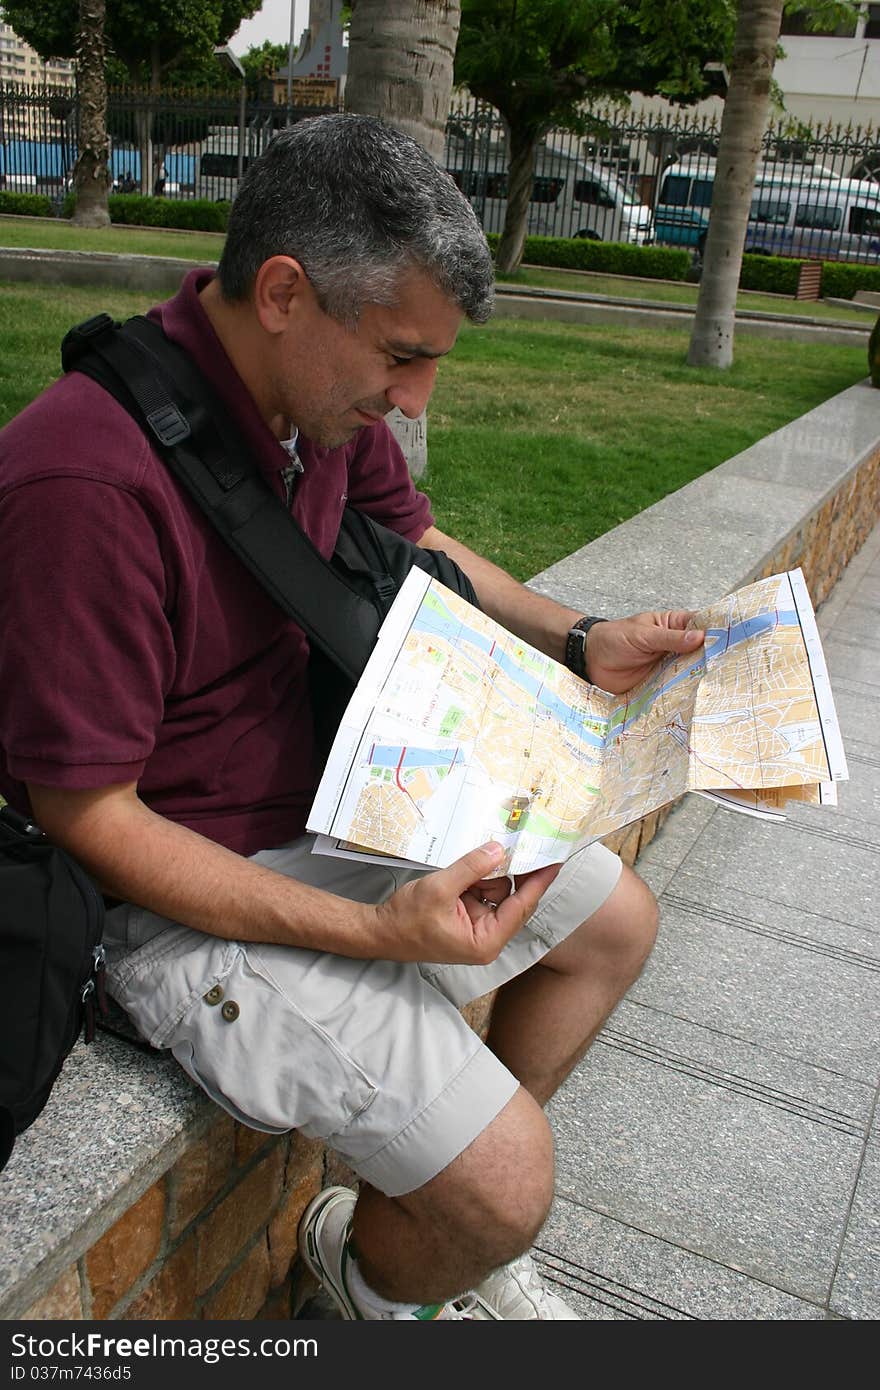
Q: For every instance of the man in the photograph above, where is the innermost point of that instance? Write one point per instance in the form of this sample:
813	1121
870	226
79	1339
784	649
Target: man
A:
154	717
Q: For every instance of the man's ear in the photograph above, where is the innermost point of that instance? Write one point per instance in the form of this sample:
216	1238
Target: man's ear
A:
281	288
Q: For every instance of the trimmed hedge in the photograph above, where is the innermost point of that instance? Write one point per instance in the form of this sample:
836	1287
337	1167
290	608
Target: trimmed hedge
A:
610	257
840	280
188	214
779	275
771	274
25	204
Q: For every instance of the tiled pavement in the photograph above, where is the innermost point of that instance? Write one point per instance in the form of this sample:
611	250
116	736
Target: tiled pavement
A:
718	1149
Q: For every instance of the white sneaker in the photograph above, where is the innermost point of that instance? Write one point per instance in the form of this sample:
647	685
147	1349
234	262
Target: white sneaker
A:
516	1291
323	1244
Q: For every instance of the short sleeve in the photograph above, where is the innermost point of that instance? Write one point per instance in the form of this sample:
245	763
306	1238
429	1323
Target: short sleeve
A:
86	649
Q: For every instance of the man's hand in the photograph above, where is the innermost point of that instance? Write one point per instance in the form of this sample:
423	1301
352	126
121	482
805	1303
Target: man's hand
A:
622	653
459	915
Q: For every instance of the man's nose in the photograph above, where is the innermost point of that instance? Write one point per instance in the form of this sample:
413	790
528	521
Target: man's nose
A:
412	391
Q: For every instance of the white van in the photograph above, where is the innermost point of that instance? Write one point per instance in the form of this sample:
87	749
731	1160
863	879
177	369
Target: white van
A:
802	212
570	197
217	164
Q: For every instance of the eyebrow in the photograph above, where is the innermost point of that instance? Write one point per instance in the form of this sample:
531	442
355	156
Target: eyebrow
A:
403	349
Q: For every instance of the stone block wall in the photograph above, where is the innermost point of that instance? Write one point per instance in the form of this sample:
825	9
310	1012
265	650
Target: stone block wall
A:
213	1238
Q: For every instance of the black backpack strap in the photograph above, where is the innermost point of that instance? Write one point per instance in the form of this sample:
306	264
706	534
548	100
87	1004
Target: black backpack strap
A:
156	381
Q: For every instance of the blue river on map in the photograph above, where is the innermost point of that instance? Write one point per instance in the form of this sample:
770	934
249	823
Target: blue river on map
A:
445	625
388	755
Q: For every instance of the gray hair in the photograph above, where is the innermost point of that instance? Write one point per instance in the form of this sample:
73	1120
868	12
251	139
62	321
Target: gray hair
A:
357	204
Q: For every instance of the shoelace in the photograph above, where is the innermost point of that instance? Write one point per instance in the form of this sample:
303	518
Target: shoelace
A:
526	1273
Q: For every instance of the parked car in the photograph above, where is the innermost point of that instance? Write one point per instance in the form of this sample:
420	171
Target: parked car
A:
803	211
570	197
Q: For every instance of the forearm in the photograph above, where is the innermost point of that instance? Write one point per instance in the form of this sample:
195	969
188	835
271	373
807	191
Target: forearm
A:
538	620
619	653
141	857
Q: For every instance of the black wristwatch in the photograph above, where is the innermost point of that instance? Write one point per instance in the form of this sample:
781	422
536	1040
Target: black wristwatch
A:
576	646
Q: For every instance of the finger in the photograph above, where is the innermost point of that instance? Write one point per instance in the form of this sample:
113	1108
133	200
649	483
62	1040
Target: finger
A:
667	639
679	617
494	890
469	869
516	910
519	880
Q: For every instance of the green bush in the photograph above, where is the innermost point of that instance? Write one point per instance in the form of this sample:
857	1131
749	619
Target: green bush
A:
25	204
770	274
607	257
779	275
189	214
841	281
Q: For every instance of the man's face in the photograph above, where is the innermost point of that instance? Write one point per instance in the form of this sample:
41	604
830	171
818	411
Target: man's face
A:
334	381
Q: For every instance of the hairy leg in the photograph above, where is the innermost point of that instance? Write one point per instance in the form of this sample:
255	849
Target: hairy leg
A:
486	1207
481	1211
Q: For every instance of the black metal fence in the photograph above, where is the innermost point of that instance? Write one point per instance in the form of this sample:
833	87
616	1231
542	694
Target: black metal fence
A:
179	145
638	178
631	178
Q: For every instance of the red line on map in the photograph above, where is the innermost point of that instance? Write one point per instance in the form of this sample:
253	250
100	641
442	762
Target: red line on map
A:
397	771
400	784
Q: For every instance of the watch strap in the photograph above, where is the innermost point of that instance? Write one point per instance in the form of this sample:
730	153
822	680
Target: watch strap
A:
576	646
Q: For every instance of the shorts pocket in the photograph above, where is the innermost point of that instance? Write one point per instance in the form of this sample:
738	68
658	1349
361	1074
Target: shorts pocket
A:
157	983
253	1050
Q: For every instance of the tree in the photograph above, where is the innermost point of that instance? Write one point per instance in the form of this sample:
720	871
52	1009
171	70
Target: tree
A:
149	41
739	148
262	62
538	62
755	49
400	66
91	178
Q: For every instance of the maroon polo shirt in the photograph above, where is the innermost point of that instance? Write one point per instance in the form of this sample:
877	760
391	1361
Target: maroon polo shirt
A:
134	646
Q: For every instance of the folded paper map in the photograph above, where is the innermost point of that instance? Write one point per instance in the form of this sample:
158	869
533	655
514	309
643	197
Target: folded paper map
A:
460	732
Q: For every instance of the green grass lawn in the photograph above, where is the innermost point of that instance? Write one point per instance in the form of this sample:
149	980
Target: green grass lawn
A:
541	435
55	234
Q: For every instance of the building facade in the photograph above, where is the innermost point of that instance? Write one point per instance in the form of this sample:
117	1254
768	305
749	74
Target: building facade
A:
22	66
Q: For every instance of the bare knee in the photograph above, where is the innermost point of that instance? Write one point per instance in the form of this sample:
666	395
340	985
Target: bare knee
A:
491	1201
629	928
619	936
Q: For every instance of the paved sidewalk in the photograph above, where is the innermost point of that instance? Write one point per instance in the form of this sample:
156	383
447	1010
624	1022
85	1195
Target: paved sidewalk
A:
718	1149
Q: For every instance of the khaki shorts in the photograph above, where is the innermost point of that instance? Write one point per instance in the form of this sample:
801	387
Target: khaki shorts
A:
371	1056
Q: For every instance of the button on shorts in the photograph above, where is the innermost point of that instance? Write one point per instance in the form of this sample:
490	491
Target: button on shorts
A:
371	1056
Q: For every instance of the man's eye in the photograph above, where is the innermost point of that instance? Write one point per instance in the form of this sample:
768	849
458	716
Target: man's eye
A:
400	361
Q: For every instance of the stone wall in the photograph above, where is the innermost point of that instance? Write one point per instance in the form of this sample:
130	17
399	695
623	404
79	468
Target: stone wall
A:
214	1237
205	1227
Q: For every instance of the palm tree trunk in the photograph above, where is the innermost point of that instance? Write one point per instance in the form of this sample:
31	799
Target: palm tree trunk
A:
742	128
520	177
400	56
91	176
